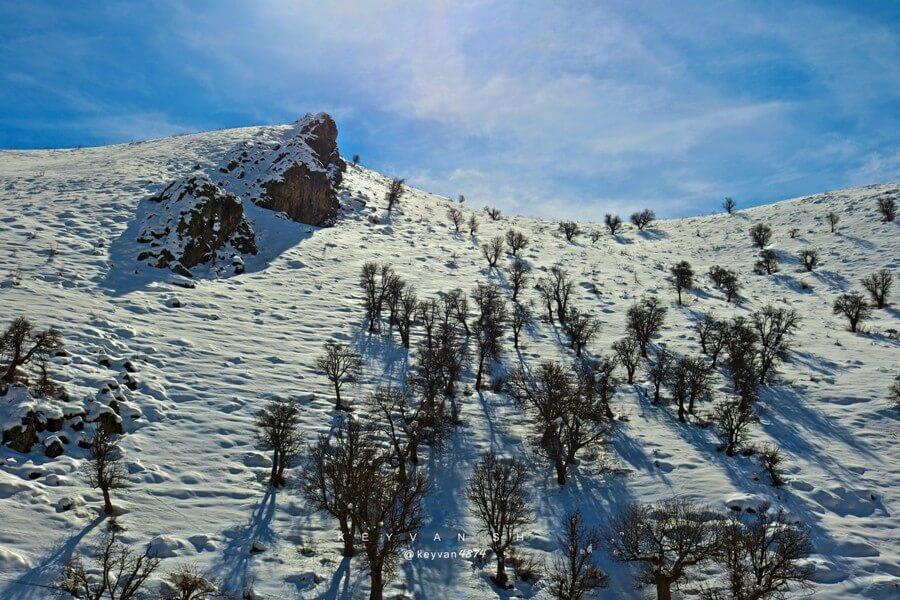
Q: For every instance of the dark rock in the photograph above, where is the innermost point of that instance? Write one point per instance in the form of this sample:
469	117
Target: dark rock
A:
54	448
20	437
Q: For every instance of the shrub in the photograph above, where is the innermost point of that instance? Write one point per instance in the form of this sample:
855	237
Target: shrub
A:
516	241
493	213
643	219
887	206
613	223
729	204
767	263
569	229
878	284
854	307
761	234
394	192
809	258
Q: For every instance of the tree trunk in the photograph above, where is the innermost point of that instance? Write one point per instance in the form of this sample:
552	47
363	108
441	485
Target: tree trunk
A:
337	394
480	371
681	409
679	296
107	501
656	393
663	588
560	472
273	476
501	577
377	583
347	537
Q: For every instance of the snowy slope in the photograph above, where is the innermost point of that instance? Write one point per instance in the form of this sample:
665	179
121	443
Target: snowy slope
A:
206	367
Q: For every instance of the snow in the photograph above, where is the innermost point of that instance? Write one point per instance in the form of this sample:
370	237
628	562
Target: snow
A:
205	360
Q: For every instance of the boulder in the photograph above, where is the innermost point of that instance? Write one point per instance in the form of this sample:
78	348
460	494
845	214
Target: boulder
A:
20	437
53	447
194	222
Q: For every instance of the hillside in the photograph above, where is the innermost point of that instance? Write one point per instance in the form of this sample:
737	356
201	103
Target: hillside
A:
207	358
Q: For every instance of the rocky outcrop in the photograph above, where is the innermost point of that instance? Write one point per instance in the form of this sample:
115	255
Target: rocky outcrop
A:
196	223
201	220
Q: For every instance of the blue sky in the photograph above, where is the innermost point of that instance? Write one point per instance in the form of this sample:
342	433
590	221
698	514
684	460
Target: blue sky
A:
543	108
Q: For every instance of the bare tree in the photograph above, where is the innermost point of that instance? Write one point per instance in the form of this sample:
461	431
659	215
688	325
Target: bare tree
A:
493	213
544	287
682	277
770	458
518	276
595	236
689	381
809	258
717	275
644	320
730	285
570	411
728	204
575	573
741	343
473	225
767	263
516	241
104	470
774	328
569	229
643	219
705	328
278	430
394	192
613	223
628	351
833	219
330	472
493	250
187	582
456	307
21	344
668	539
387	512
581	328
489	325
887	206
409	422
407	305
794	232
658	371
761	235
520	319
878	284
763	556
734	419
377	282
116	572
854	307
340	364
561	286
456	217
497	492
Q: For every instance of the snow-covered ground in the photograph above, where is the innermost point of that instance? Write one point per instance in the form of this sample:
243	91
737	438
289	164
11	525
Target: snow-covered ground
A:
205	367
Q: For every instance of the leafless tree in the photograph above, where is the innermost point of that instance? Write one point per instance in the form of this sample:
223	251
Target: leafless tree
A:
340	364
887	206
394	192
730	285
613	223
493	250
771	459
489	325
561	287
104	469
643	219
581	328
768	262
473	225
518	276
409	422
682	277
833	219
763	556
278	430
392	297
599	382
497	492
595	236
742	359
716	275
21	344
574	573
544	287
689	381
188	582
794	232
878	284
570	412
644	320
377	281
809	258
569	229
456	307
734	419
516	241
854	307
659	370
456	217
628	351
386	513
774	329
116	572
520	319
668	538
761	235
705	327
330	472
407	305
493	213
728	204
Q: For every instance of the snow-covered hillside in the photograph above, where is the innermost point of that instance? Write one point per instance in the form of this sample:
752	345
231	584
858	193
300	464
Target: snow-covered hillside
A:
208	358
